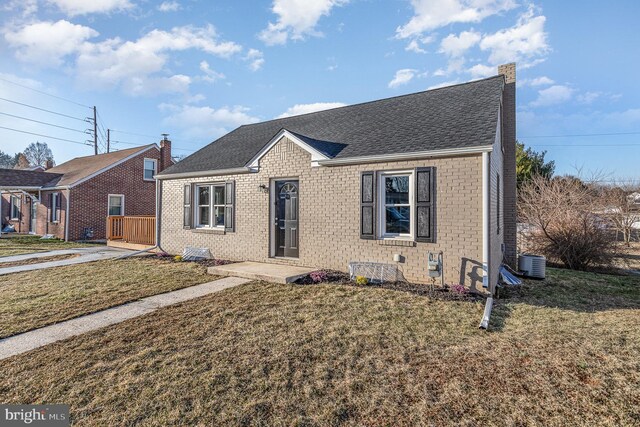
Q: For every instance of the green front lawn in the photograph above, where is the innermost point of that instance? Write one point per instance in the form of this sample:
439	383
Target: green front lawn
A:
561	352
25	244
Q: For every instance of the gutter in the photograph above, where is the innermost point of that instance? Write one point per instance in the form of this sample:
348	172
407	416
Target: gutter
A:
407	156
231	171
486	158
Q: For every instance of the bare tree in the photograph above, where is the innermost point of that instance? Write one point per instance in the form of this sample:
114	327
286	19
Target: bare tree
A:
566	222
38	153
622	209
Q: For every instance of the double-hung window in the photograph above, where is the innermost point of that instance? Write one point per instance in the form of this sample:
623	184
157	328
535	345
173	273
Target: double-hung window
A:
15	208
396	197
150	168
210	210
116	204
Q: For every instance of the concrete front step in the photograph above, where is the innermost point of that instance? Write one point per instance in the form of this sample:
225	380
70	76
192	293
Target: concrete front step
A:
275	273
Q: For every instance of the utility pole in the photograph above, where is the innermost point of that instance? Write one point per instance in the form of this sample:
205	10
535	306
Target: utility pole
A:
95	130
108	139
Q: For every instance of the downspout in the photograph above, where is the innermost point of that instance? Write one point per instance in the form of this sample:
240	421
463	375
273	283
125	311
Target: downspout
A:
66	217
1	193
486	277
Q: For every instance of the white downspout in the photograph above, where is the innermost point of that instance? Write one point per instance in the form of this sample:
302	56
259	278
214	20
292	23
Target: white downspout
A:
486	196
485	219
66	217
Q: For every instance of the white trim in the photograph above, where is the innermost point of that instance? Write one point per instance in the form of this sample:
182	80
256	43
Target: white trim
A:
66	217
144	169
485	219
382	204
53	209
111	166
109	204
316	156
18	205
212	207
450	152
231	171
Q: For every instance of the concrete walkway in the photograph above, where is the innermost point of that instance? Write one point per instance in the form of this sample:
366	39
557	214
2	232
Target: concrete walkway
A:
86	255
31	340
274	273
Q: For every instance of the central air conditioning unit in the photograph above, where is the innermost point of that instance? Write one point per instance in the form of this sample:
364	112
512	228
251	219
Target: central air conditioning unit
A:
533	266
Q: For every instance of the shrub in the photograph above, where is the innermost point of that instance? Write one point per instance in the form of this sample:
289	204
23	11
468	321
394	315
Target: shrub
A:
459	289
565	223
361	280
318	276
162	255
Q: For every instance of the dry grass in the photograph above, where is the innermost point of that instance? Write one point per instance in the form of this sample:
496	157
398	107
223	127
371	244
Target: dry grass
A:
37	298
24	244
561	352
39	260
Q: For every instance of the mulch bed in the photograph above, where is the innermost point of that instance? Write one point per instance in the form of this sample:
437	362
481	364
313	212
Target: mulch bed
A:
340	278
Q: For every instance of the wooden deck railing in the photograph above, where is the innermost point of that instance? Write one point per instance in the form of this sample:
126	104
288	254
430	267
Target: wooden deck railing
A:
132	229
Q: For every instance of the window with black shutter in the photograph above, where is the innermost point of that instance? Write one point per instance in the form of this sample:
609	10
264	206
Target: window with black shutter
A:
229	211
425	194
368	205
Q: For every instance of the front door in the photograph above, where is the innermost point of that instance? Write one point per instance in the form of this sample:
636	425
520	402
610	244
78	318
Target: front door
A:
286	218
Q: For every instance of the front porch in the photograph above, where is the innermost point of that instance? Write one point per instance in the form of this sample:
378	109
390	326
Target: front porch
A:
131	232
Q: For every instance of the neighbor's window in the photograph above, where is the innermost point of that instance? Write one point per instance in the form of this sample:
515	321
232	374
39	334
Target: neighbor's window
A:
55	207
15	207
149	169
210	205
116	204
397	200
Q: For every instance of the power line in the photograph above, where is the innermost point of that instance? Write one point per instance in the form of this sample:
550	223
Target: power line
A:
581	135
42	109
587	145
44	93
40	134
44	123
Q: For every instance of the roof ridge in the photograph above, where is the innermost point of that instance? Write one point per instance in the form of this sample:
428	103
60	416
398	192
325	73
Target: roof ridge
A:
376	100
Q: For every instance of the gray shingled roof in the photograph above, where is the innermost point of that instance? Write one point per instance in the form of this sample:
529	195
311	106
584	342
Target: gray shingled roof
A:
459	116
18	178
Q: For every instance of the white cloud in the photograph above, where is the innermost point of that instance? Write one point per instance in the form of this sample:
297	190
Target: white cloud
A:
28	7
48	43
455	46
589	97
210	75
553	95
296	19
537	81
415	44
169	6
525	43
432	14
83	7
480	71
402	77
309	108
205	122
255	58
443	84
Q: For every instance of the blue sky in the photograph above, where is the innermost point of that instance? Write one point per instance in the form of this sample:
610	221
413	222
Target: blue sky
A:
198	69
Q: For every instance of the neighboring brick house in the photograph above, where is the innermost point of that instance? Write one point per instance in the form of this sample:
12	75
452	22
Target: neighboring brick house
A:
76	196
380	181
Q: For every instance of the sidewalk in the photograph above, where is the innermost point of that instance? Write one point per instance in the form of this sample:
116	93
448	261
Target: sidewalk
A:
31	340
87	255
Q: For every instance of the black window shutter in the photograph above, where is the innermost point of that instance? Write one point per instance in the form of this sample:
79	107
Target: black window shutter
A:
425	205
51	208
368	205
229	211
187	218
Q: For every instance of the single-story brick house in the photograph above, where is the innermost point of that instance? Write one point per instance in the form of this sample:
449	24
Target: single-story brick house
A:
378	181
78	195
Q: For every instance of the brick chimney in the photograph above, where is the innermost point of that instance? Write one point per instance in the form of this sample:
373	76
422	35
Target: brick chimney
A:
165	153
48	164
509	164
